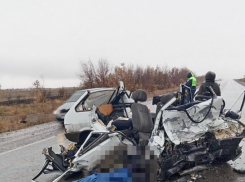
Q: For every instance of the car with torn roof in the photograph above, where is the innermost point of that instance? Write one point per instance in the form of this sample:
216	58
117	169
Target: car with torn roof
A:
107	103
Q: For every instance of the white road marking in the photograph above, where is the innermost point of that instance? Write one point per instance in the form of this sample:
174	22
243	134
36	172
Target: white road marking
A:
28	145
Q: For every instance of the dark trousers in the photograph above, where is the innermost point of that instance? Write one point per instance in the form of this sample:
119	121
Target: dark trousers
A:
193	90
190	96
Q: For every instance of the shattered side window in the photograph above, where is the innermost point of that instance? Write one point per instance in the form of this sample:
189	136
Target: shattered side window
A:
97	99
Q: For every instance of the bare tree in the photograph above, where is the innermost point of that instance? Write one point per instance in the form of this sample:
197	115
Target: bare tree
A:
102	72
88	74
138	73
39	92
148	78
129	77
36	84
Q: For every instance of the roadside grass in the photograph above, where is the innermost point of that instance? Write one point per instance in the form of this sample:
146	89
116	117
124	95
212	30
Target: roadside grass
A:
20	116
26	109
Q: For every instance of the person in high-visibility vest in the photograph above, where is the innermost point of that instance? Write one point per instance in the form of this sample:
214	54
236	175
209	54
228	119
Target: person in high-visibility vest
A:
192	83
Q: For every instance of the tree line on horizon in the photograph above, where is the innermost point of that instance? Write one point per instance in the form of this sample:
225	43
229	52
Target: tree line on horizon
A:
104	74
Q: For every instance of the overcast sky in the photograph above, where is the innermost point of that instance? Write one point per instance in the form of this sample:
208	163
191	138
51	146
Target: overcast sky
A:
48	37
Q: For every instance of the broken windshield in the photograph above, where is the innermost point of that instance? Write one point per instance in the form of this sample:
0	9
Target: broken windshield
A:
75	96
99	98
95	98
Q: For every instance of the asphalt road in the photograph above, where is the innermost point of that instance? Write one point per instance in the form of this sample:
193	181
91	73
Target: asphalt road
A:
21	151
230	91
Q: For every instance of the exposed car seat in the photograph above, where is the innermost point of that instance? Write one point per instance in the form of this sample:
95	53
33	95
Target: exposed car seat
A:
122	124
141	118
106	113
164	100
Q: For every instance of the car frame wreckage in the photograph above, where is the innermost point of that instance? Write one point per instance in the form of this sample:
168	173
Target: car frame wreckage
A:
183	135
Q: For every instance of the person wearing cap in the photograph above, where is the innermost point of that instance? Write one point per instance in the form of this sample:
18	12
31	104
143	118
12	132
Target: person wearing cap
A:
192	83
209	81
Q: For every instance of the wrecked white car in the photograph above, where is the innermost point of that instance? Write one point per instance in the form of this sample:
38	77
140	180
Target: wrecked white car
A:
104	103
182	135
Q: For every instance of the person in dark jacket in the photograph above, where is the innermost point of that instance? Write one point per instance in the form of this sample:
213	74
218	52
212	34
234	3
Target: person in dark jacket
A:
210	81
192	83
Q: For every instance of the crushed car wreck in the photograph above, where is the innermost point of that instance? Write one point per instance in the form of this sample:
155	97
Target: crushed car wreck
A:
182	135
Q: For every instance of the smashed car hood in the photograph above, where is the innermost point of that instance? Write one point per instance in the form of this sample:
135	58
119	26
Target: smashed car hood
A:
180	128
